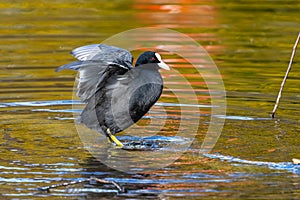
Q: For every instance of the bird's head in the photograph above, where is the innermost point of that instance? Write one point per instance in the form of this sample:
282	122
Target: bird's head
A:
151	57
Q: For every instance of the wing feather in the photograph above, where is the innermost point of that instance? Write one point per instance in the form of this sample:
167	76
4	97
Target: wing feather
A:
97	63
102	52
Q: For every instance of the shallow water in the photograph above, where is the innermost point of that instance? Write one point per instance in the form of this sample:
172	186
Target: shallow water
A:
250	42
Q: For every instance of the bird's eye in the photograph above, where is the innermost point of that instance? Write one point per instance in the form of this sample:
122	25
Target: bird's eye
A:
153	58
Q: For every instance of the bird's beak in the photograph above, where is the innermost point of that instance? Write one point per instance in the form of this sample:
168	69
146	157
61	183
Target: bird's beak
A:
163	65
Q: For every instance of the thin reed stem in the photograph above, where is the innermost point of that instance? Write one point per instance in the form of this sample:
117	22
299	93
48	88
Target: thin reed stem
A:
285	77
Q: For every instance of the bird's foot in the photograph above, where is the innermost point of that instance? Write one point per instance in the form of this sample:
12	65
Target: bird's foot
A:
113	139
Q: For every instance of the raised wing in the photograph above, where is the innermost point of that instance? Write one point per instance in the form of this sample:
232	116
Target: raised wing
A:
96	64
102	52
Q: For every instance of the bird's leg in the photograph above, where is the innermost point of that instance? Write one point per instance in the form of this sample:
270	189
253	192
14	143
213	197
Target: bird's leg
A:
112	138
109	140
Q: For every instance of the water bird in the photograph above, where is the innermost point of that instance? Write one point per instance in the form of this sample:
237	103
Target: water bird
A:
116	94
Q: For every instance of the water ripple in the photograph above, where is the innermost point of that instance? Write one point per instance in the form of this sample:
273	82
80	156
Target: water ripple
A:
77	102
288	166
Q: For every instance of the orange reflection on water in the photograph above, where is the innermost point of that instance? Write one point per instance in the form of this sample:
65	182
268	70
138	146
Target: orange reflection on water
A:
177	14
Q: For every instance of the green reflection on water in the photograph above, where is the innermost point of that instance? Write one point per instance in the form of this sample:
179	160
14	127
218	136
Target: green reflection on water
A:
250	42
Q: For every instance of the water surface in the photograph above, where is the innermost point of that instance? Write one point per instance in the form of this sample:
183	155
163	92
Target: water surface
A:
250	42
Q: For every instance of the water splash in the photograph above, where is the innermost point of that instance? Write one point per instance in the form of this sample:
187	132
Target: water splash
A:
151	143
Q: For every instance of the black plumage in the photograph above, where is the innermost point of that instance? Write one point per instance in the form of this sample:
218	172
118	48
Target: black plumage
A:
116	94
